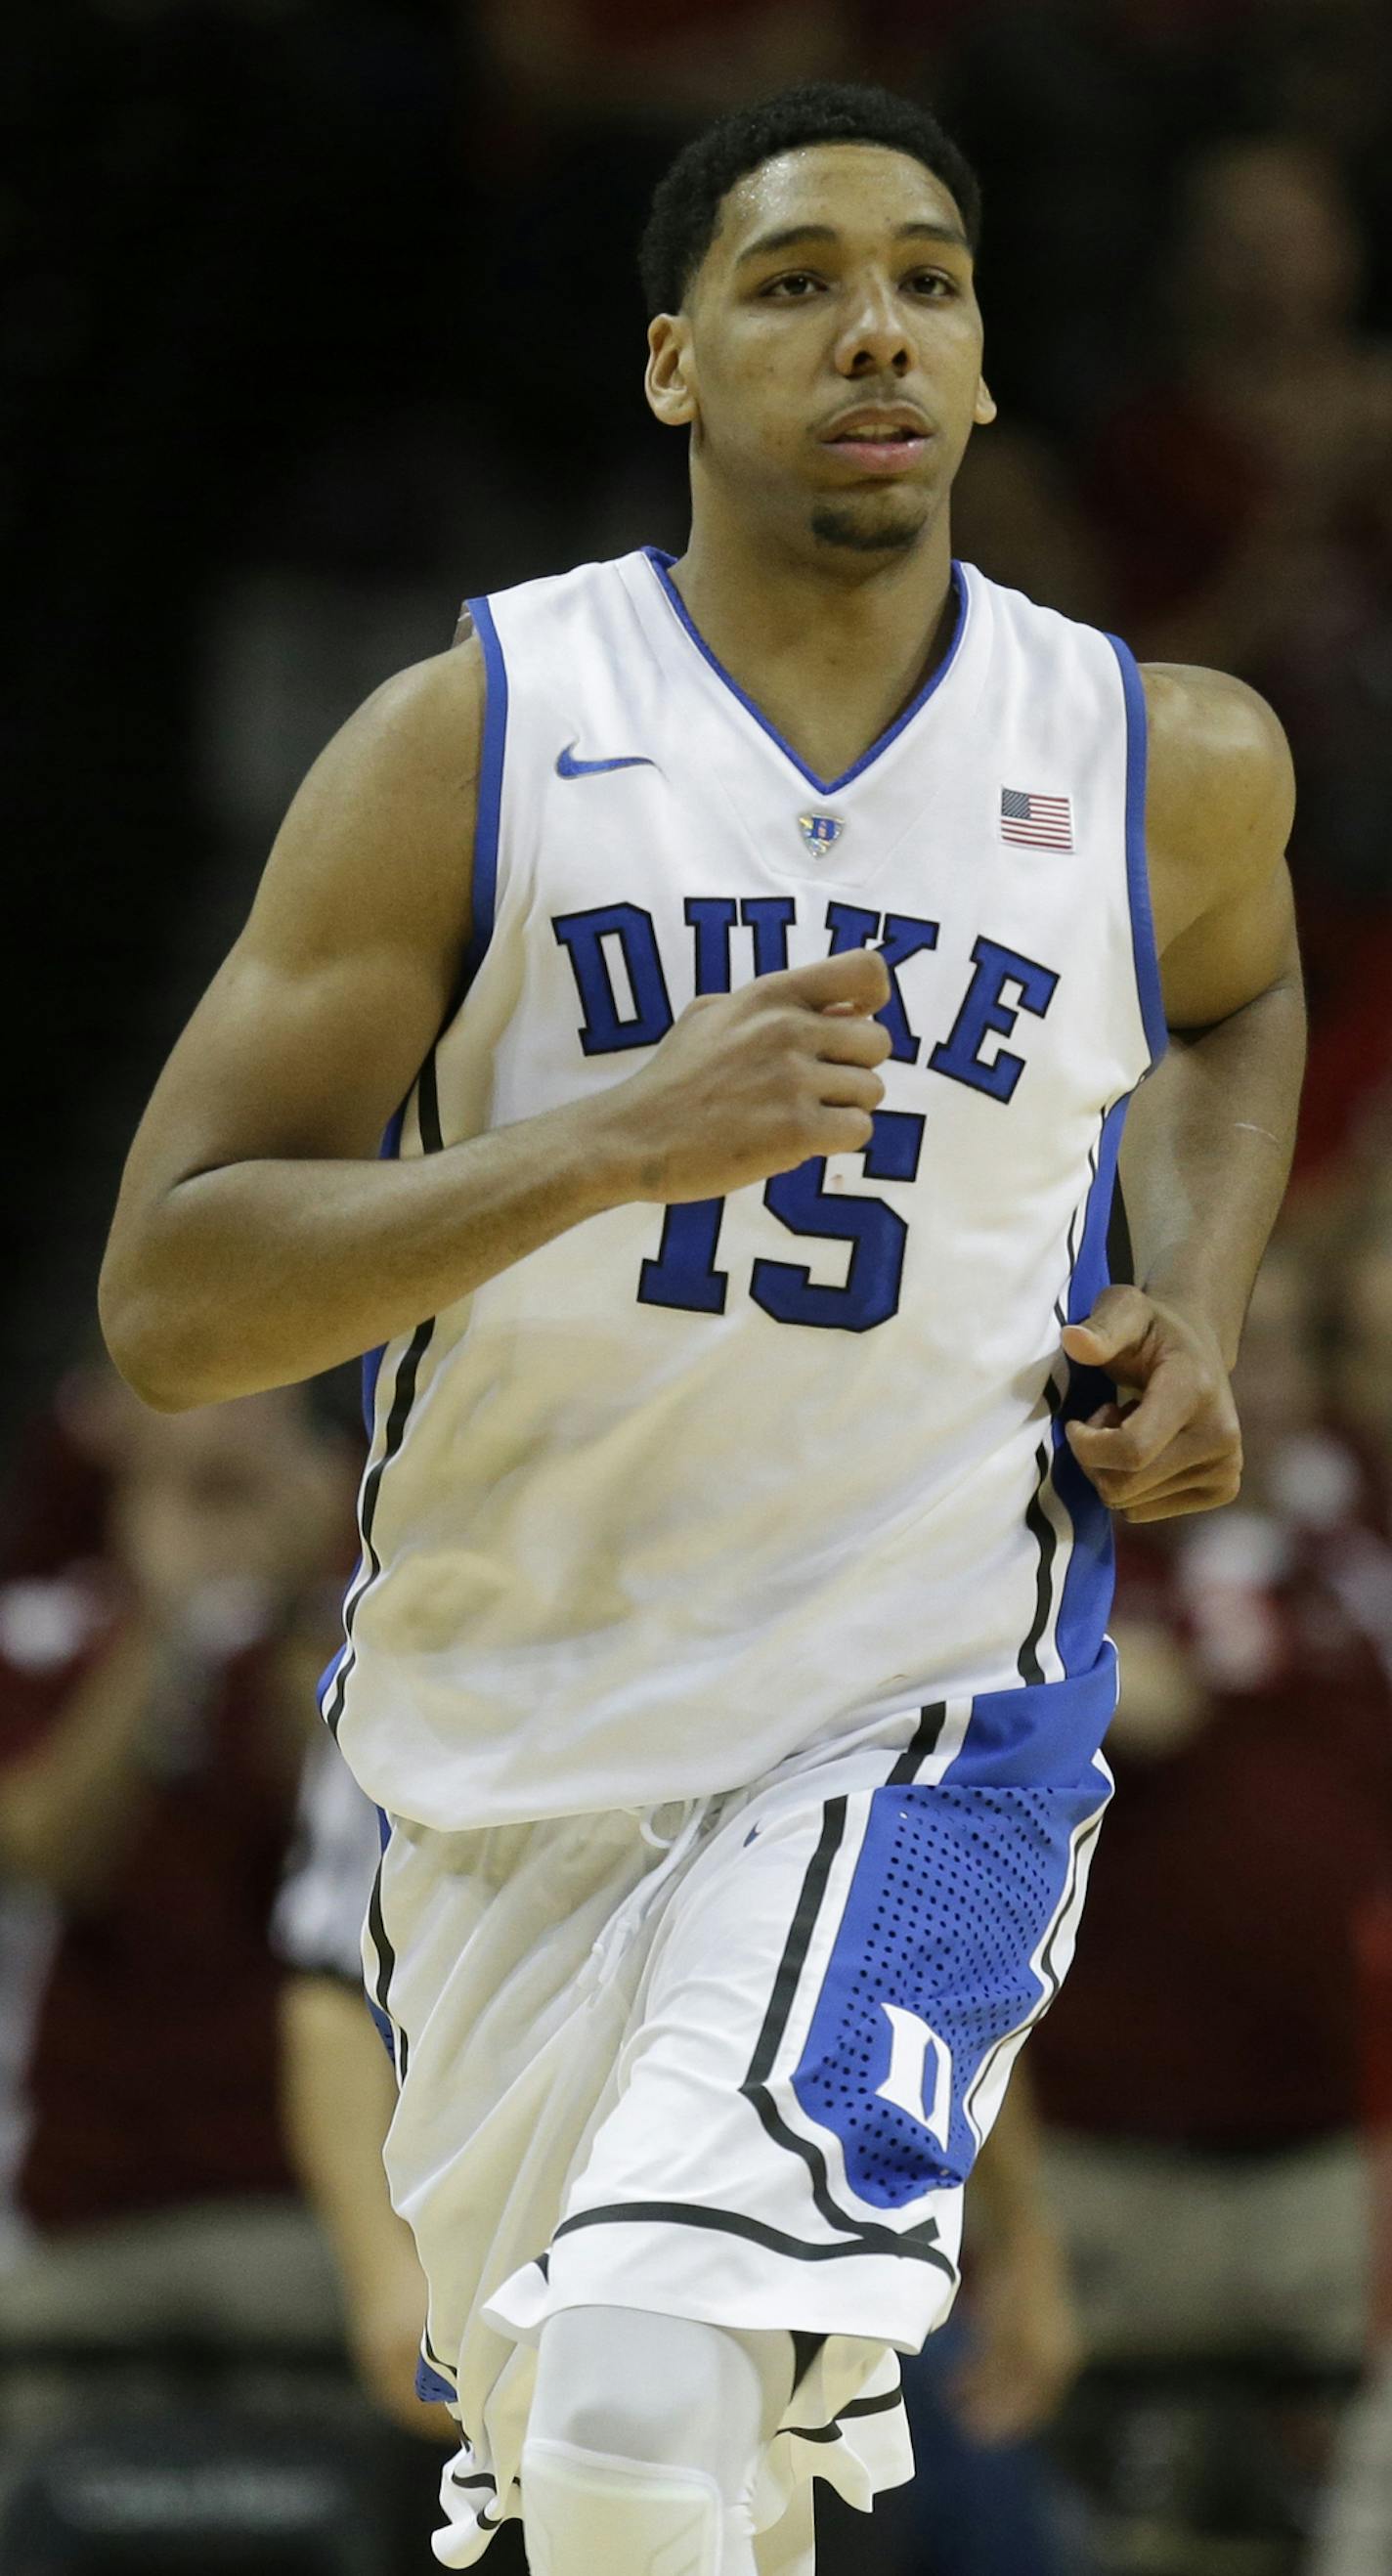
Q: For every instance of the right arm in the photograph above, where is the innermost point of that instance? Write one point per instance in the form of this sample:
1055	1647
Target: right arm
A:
258	1239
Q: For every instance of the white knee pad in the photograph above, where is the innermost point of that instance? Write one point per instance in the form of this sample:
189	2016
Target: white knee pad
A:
589	2513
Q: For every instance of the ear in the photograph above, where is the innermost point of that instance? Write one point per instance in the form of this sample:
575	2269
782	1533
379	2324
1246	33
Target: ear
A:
670	380
985	410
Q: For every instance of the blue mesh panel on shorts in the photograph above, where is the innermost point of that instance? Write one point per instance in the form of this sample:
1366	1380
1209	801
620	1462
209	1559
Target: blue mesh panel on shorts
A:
952	1894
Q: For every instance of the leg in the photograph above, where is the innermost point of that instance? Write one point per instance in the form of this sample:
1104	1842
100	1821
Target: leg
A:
644	2441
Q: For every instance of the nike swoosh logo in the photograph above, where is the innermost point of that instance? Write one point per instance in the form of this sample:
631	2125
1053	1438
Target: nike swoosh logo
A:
567	766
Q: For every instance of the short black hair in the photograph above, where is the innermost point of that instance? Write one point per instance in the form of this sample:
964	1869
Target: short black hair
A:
685	213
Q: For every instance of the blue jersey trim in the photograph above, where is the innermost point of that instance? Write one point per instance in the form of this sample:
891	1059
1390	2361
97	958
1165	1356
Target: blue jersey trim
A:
490	791
1043	1735
431	2388
1088	1584
1137	877
662	566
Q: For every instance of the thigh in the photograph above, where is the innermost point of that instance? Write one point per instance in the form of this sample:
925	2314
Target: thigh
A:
821	2042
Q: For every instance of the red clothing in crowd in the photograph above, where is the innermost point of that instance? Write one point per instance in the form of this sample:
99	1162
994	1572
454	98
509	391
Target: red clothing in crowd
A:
151	2056
1214	2000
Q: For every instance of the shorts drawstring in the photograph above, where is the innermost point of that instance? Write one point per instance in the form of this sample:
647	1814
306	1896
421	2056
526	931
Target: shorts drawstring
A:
695	1814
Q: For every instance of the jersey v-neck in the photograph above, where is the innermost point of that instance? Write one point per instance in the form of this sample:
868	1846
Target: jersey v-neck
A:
662	566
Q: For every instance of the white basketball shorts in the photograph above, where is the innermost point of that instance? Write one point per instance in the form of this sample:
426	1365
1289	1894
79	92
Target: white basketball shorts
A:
731	2061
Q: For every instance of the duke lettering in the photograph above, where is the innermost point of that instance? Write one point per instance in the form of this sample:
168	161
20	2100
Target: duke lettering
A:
624	1003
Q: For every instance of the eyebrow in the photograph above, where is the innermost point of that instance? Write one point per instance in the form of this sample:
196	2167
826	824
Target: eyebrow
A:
791	234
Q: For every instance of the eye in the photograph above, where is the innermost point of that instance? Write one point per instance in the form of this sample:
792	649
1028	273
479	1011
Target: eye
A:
788	287
934	282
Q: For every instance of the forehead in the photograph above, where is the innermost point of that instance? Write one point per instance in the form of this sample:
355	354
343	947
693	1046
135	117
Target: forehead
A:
861	188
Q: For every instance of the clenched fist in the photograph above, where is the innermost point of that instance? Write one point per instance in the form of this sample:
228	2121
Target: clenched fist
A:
751	1083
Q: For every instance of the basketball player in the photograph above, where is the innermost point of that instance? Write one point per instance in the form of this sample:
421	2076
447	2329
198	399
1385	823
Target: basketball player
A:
751	959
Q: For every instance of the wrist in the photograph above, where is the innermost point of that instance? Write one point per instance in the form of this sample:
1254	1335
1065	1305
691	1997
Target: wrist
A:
619	1166
1207	1307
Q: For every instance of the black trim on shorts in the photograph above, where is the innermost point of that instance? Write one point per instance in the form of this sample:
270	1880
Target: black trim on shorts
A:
924	1741
917	2242
1087	1834
871	2239
833	2432
480	2478
795	1947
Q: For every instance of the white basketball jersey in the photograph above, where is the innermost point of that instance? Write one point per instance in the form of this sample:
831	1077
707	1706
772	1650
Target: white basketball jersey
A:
693	1489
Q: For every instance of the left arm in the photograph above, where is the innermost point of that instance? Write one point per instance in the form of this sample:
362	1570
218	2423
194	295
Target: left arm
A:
338	2093
1209	1137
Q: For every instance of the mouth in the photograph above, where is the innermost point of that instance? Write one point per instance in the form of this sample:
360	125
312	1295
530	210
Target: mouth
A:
879	442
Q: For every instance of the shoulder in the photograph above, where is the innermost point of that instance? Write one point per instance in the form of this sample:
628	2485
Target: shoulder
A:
1220	792
384	821
428	717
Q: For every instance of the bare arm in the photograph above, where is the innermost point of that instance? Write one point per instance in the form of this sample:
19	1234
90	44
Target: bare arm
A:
258	1240
338	2093
1026	2342
1209	1138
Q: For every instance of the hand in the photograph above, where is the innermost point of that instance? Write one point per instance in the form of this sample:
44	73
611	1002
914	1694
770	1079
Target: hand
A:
1178	1449
751	1083
1027	2344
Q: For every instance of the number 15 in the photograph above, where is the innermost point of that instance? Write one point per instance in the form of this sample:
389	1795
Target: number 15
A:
684	1273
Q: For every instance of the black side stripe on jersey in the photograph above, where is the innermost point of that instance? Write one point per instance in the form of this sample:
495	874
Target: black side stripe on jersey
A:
873	2241
923	1742
386	1968
1037	1521
1045	1537
403	1397
919	2242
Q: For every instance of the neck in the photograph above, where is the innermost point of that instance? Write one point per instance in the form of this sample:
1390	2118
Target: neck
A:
830	645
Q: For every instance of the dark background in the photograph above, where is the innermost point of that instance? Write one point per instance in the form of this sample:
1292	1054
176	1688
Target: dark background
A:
323	312
319	314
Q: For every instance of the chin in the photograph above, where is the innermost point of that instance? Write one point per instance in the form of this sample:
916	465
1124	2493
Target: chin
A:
853	528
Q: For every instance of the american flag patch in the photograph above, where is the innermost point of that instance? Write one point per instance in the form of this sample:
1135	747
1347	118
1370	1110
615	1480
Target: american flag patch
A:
1041	822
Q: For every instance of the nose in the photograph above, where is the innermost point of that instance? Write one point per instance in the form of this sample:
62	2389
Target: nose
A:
874	341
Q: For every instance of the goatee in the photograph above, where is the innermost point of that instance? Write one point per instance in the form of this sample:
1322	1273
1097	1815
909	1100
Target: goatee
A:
855	535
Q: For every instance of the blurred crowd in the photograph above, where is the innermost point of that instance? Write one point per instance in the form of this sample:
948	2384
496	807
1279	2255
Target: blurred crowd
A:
324	312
